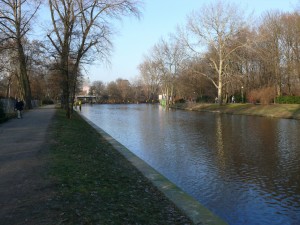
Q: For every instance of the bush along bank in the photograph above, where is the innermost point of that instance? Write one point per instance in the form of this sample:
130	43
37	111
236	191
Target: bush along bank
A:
288	100
96	185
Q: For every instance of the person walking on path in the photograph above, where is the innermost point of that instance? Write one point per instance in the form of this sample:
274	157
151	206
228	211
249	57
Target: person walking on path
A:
23	159
233	99
19	107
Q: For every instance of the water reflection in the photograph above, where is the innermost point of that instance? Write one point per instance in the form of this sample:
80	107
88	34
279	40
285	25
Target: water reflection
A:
220	143
245	169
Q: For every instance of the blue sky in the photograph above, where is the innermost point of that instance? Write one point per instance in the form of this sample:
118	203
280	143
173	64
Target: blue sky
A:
159	18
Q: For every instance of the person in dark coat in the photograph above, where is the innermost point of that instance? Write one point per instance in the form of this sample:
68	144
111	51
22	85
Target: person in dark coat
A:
19	107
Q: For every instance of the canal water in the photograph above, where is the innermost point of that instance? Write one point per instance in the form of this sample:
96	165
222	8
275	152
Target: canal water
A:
245	169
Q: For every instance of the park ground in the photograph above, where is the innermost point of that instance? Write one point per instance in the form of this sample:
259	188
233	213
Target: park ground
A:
56	170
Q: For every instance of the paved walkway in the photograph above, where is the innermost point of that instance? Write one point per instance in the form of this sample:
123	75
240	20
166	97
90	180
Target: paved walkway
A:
23	143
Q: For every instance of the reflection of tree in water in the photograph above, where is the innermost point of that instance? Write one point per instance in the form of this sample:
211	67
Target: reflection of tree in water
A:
261	154
220	143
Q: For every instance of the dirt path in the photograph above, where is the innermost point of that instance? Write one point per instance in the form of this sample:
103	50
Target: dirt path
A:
24	191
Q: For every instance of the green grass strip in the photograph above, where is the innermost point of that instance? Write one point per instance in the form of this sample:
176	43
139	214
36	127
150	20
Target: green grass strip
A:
96	185
289	111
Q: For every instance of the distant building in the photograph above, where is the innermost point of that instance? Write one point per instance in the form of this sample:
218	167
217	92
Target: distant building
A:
85	87
83	95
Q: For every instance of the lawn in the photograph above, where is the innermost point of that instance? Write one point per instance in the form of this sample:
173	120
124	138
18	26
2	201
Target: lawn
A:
289	111
96	185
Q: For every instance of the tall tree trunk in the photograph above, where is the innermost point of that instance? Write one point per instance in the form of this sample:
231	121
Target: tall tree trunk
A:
8	88
65	86
74	80
23	76
220	85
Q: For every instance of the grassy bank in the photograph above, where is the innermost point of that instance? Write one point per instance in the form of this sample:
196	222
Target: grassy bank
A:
290	111
96	185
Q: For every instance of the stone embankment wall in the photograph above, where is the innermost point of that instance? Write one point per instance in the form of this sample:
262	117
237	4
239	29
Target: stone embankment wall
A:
9	104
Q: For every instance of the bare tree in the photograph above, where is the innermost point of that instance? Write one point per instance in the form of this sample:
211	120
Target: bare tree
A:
139	90
114	94
6	74
271	48
150	78
53	79
15	21
290	39
214	27
190	86
98	89
124	88
168	58
81	27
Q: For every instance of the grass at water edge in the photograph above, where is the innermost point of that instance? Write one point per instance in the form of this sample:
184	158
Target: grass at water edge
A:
96	185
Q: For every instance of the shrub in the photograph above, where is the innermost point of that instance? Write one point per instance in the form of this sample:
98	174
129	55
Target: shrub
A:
263	95
180	100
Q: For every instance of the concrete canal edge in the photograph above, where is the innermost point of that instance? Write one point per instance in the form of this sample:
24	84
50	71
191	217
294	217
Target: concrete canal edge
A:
192	208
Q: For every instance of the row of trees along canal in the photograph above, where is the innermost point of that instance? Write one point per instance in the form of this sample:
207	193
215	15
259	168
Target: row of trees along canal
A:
217	53
80	29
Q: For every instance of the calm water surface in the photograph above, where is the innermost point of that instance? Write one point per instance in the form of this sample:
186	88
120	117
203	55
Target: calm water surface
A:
245	169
